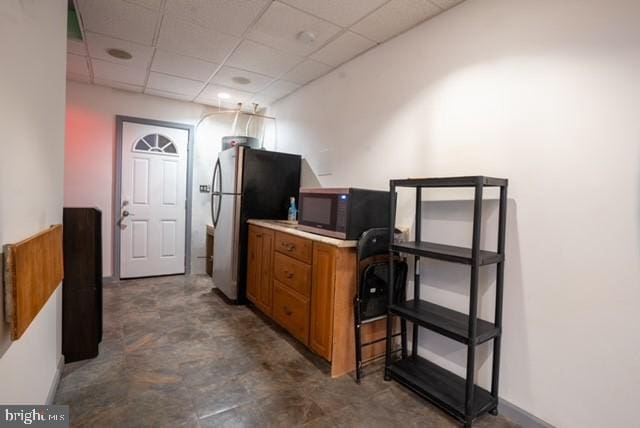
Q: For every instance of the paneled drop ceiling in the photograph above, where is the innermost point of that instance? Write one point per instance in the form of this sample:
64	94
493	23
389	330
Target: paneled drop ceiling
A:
251	51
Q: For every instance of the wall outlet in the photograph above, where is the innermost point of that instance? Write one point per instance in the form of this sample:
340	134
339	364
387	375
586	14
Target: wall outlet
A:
205	188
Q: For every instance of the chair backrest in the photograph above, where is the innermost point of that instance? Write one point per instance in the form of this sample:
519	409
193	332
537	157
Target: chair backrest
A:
373	242
373	278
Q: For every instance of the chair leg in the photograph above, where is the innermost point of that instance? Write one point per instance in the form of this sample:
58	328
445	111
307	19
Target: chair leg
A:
403	337
358	339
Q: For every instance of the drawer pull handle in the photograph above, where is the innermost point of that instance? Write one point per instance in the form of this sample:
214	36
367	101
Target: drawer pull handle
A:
259	235
287	311
290	247
288	274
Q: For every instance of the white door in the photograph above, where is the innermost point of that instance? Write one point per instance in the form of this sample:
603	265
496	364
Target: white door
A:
153	195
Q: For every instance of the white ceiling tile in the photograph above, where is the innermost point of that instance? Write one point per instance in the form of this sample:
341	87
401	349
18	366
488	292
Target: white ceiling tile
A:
77	64
341	12
149	4
118	73
275	91
210	94
117	18
193	40
98	46
281	25
343	49
446	4
76	47
167	94
262	59
177	85
307	71
225	77
182	66
227	16
78	77
394	18
208	102
118	85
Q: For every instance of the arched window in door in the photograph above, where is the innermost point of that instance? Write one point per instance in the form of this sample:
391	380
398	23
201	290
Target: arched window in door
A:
156	143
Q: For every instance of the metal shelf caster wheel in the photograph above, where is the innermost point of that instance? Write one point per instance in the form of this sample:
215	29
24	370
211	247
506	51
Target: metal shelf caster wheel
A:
494	412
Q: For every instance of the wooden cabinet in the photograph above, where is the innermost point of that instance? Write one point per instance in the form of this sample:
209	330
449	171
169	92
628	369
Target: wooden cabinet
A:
294	246
291	310
292	273
82	284
259	268
307	287
322	289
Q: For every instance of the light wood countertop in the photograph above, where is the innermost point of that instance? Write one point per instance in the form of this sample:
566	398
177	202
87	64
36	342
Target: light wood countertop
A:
291	228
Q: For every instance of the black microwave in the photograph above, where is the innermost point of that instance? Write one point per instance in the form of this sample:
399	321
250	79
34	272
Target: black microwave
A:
343	213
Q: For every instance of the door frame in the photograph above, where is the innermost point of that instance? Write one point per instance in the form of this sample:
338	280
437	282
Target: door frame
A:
117	196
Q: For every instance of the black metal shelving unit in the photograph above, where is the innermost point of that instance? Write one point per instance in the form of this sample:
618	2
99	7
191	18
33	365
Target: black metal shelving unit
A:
460	397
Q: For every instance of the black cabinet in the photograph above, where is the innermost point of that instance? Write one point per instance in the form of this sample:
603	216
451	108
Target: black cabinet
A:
82	285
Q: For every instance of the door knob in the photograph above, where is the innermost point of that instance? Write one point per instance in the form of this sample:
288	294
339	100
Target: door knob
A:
126	213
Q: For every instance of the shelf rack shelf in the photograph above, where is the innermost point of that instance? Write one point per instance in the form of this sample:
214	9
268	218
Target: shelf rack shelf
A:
460	397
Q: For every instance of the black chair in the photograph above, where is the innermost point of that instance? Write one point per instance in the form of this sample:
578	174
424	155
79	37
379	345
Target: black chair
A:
370	303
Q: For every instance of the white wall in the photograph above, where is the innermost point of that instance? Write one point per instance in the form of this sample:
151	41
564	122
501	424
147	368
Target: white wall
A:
543	92
90	154
32	85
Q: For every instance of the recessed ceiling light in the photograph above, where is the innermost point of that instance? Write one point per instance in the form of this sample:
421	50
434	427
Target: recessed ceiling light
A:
224	95
119	53
307	37
241	80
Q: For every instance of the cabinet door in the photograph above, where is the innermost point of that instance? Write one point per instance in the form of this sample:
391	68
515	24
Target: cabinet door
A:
266	288
323	279
254	264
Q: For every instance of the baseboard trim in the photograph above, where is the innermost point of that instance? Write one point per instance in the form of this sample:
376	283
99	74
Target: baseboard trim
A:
56	380
520	416
106	280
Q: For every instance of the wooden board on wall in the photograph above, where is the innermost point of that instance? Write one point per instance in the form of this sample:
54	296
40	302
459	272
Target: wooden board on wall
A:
33	269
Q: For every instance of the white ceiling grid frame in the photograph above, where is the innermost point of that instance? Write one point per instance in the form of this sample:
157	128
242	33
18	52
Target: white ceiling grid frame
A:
340	12
226	75
120	19
178	85
254	38
307	71
394	17
342	49
182	66
98	45
274	29
233	17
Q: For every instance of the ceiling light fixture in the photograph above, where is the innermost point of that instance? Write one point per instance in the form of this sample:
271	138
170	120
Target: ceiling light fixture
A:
119	53
241	80
224	95
307	37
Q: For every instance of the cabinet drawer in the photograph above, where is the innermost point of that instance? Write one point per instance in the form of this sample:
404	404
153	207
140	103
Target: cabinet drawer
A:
299	248
291	311
293	273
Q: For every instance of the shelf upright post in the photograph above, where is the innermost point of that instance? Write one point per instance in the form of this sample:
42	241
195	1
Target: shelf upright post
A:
416	269
473	304
502	229
392	225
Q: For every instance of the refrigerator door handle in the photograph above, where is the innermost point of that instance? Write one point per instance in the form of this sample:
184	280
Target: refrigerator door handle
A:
217	179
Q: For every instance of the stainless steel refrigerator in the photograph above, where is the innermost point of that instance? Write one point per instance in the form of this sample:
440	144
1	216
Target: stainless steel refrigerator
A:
247	183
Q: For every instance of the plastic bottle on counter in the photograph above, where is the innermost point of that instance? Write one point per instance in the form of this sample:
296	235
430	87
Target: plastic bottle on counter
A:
293	211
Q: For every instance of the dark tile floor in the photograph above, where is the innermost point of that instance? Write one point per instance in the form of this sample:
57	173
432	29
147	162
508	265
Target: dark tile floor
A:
175	355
